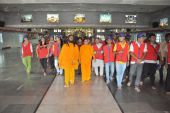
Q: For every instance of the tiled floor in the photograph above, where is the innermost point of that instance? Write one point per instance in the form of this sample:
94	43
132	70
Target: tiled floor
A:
19	93
147	101
89	97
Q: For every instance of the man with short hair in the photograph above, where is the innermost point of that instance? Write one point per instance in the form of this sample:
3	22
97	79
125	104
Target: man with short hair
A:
138	51
150	63
98	53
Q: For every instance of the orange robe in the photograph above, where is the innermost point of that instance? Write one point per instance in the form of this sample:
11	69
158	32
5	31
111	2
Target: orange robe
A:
68	60
86	54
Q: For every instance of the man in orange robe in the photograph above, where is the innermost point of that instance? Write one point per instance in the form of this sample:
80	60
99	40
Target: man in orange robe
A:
86	54
68	60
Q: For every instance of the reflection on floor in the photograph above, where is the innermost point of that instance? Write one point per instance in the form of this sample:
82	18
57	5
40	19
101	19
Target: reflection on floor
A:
19	94
147	101
89	97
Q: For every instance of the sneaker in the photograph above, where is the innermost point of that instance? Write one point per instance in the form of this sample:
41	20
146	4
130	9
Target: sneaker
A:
129	84
66	85
153	87
45	74
141	83
137	89
168	92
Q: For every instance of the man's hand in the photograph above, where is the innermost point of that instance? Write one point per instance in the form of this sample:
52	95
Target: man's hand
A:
139	61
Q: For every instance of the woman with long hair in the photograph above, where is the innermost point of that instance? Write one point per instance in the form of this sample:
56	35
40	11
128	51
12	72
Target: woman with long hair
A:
56	51
42	54
68	60
27	53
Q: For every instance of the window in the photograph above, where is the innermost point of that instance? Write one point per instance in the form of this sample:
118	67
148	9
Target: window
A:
1	39
158	37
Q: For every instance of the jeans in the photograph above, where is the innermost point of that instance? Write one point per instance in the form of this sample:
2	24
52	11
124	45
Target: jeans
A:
59	71
120	69
138	69
109	69
98	64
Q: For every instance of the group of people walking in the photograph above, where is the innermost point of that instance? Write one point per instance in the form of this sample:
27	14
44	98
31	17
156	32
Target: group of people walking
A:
139	56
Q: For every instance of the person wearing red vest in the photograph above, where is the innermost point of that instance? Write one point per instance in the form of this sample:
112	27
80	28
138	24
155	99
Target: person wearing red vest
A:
109	59
27	53
121	51
98	53
167	83
56	47
138	51
150	63
42	54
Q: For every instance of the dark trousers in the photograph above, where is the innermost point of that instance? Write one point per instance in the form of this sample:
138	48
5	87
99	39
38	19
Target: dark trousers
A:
149	69
161	70
161	73
167	82
51	61
43	62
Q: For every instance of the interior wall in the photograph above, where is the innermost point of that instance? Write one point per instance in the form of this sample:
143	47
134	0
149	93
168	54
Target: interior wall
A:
66	19
10	39
1	16
155	17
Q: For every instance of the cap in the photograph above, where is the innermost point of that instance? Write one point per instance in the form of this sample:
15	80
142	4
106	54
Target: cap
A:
128	36
121	34
139	35
109	37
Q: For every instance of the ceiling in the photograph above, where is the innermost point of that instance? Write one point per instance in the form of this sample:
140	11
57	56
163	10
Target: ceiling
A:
135	2
81	7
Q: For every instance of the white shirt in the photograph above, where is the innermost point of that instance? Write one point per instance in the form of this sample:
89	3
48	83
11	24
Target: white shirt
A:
132	50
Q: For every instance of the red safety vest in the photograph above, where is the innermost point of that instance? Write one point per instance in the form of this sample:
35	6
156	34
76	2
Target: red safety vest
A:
42	52
108	53
168	46
26	50
152	52
123	57
55	49
98	52
138	51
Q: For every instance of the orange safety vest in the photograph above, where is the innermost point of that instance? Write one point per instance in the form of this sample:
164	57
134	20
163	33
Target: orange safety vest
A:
152	52
42	52
55	49
108	53
26	50
123	57
98	52
138	51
